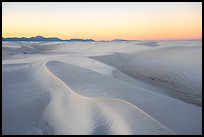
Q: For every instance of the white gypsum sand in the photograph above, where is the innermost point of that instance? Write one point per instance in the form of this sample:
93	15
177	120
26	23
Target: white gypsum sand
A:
140	87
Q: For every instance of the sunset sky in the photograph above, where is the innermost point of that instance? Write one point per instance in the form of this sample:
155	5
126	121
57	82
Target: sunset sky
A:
103	21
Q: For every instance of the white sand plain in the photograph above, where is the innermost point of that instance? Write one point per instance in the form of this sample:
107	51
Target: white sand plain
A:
140	87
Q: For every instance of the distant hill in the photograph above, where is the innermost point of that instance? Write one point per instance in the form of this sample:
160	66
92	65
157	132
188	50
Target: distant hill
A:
15	39
37	38
41	38
119	40
123	40
80	40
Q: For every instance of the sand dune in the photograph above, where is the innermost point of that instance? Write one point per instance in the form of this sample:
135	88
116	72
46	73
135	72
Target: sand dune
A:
170	68
101	88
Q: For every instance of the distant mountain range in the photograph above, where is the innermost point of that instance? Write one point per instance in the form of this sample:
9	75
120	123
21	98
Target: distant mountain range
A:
120	40
41	38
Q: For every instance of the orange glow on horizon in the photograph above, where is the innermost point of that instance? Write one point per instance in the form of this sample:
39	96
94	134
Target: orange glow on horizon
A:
132	21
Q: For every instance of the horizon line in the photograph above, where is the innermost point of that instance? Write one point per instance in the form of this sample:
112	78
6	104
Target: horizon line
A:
173	39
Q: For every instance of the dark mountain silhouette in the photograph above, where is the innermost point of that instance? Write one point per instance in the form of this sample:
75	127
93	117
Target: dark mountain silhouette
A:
123	40
80	40
37	38
15	39
41	38
119	40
